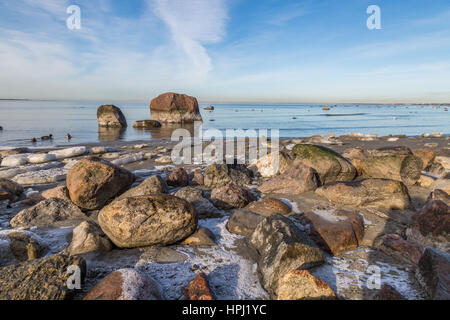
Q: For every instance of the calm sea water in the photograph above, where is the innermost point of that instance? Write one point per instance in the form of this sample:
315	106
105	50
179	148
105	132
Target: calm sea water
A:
23	120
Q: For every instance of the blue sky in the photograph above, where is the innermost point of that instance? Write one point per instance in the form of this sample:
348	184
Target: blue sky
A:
218	50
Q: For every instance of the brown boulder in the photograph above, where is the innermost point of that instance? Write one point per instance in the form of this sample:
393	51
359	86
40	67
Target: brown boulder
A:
93	182
394	245
24	247
125	284
268	206
88	237
388	293
243	222
335	234
60	192
10	190
197	178
218	175
355	155
426	155
146	124
302	285
433	273
111	116
439	194
178	178
231	196
431	226
175	108
203	237
378	193
152	185
199	289
296	180
148	220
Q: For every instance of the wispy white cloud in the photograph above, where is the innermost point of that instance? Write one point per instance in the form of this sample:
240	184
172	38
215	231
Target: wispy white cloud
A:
194	23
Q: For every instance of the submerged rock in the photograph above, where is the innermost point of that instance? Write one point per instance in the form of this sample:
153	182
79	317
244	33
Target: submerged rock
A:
125	284
93	182
377	193
330	165
111	116
282	247
175	108
40	279
302	285
146	124
50	212
296	180
148	220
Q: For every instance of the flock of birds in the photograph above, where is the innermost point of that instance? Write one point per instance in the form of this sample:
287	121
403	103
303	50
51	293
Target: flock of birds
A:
50	137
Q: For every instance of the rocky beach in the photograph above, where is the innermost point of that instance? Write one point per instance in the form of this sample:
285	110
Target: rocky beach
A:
348	217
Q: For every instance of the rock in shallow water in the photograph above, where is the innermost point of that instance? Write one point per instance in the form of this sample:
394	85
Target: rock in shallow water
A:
111	116
175	108
125	284
39	279
148	220
378	193
93	182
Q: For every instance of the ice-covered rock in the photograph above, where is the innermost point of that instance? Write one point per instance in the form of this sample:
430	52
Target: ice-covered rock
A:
42	176
9	173
15	160
129	158
69	152
41	158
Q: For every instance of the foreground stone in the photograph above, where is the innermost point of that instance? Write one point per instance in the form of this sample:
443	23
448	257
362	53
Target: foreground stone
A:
431	226
405	168
442	184
10	190
178	178
152	185
39	279
203	237
217	175
243	222
125	284
302	285
393	245
88	237
60	192
336	234
355	155
148	220
296	180
231	196
377	193
268	206
330	165
93	182
433	273
272	164
111	116
175	108
439	194
444	161
20	246
388	293
199	289
426	155
50	212
282	247
146	124
203	207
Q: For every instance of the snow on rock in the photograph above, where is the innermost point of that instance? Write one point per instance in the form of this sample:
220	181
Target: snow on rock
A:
101	150
129	158
230	275
9	173
41	158
69	152
15	160
42	176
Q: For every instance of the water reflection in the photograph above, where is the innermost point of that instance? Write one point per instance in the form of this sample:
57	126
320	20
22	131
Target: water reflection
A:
110	134
165	131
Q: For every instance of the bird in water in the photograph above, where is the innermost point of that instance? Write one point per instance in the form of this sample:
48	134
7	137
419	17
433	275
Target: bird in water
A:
49	137
34	140
68	136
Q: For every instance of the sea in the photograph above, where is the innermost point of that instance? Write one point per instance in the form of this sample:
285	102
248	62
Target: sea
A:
24	119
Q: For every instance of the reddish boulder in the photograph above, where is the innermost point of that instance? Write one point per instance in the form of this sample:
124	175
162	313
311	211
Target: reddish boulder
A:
394	245
178	178
231	196
175	108
199	289
268	206
388	293
60	192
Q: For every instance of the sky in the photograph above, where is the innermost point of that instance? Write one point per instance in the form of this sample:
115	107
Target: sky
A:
273	51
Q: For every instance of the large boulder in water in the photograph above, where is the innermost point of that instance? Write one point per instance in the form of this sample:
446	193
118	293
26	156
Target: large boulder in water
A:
377	193
148	220
111	116
40	279
93	182
175	108
330	165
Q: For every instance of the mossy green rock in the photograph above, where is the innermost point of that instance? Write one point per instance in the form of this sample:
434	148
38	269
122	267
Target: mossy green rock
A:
330	165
